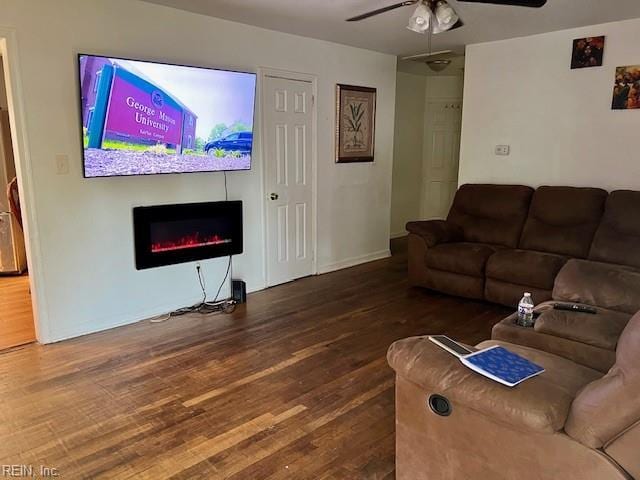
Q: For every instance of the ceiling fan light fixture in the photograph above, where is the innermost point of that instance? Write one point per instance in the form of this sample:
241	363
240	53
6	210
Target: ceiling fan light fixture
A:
438	65
445	17
420	21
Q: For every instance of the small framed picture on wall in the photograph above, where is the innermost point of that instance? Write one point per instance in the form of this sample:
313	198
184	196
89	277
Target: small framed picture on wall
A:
587	52
626	88
355	123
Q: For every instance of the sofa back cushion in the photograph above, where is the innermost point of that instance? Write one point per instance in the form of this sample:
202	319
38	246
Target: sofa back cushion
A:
613	287
563	220
608	406
617	239
491	214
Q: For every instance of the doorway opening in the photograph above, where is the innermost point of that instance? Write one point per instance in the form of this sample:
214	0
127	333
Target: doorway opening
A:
17	324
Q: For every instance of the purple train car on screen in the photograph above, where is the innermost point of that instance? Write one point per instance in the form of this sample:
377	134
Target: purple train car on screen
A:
120	104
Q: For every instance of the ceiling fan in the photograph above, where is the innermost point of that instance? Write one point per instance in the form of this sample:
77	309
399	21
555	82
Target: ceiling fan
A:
437	16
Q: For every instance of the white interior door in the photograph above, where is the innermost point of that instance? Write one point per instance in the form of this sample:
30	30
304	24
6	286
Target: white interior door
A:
442	155
287	106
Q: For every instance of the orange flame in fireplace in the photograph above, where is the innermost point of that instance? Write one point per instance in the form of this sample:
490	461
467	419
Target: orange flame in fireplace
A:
189	241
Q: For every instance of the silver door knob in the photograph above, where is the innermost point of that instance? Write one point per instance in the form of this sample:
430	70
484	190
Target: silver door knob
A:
273	196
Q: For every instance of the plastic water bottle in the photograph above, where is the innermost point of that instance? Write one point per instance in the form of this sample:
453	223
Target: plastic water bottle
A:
525	311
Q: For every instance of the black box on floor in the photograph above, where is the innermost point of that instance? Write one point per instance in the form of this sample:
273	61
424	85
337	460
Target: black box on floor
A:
239	291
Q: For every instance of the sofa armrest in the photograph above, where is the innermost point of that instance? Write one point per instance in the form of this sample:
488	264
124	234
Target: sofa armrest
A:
435	232
534	405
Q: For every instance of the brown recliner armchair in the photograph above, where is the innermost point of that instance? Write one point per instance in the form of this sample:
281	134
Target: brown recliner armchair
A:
571	423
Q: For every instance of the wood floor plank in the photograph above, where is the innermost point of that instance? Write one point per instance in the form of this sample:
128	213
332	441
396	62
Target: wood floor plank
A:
294	384
16	316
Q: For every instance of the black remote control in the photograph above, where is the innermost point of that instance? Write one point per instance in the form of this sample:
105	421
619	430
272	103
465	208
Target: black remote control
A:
573	307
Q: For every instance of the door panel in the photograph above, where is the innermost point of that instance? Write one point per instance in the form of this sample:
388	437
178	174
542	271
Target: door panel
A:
287	131
442	149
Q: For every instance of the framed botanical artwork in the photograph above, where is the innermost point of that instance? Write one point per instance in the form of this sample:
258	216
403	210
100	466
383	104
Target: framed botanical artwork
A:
355	123
626	88
587	52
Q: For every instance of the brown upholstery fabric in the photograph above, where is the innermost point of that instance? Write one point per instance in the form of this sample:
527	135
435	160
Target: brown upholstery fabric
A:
598	358
600	330
613	287
468	445
457	284
563	220
465	258
624	450
618	237
540	404
526	268
436	231
510	294
607	407
492	214
416	250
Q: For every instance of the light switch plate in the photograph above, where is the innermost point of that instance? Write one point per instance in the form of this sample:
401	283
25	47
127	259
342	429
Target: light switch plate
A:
62	164
503	149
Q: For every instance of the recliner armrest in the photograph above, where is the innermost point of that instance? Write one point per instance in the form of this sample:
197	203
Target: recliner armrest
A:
435	232
534	405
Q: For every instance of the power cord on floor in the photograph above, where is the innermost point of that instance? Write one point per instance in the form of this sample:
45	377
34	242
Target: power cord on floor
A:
204	307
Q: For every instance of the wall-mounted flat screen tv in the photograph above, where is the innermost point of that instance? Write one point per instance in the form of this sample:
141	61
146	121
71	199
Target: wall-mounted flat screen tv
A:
143	118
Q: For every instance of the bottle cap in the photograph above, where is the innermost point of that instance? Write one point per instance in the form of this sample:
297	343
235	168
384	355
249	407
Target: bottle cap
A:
527	294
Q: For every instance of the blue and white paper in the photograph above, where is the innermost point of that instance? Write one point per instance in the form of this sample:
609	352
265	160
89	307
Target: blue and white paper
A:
501	365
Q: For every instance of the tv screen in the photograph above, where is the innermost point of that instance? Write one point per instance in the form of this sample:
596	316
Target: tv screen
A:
143	118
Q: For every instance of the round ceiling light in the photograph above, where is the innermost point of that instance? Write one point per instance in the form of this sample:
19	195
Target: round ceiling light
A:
438	65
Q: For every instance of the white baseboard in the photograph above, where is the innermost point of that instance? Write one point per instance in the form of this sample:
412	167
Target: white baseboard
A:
401	234
353	261
102	324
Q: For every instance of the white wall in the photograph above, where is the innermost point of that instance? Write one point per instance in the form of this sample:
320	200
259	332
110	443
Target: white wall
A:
413	94
84	227
407	151
558	121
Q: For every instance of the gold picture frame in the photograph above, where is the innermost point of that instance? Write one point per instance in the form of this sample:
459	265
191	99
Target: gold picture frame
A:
355	123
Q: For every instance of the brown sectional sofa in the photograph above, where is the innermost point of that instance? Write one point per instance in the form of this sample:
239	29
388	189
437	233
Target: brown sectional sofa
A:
501	240
580	419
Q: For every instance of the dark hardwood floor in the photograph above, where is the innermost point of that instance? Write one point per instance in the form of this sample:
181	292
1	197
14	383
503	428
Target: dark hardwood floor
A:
294	385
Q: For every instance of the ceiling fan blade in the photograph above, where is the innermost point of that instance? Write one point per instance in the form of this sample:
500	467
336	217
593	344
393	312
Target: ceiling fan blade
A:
381	10
513	3
428	55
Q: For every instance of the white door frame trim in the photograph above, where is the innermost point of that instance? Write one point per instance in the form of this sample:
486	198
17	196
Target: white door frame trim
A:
264	72
24	172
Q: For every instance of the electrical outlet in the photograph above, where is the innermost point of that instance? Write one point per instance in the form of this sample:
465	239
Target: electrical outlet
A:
62	164
503	150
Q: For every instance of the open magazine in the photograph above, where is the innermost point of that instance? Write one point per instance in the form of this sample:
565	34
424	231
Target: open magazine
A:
496	363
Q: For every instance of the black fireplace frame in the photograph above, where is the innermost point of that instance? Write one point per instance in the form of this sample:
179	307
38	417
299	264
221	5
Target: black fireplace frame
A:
143	217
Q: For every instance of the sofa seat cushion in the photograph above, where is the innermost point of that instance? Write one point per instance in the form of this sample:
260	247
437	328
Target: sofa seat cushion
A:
524	267
598	358
600	330
466	258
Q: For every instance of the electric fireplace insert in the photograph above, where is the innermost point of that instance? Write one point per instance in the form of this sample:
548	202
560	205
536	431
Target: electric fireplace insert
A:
169	234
